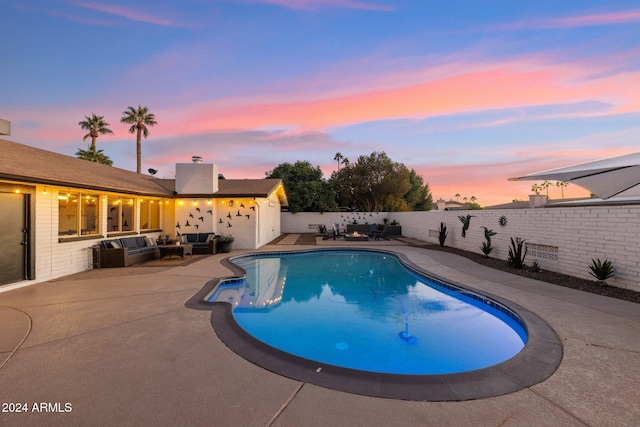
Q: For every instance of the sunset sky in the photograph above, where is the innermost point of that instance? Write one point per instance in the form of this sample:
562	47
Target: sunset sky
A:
467	93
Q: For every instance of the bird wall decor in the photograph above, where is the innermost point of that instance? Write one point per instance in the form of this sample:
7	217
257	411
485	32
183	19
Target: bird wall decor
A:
187	224
219	220
465	223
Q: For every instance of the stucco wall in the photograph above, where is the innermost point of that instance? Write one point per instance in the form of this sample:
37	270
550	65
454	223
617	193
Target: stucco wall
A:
566	239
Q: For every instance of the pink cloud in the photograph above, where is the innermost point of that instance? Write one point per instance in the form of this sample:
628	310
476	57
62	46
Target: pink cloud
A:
589	20
133	14
322	4
611	18
526	83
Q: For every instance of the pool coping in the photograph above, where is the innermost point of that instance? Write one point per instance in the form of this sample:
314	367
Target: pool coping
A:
536	362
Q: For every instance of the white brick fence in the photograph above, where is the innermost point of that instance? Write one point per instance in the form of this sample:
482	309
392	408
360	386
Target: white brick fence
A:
561	239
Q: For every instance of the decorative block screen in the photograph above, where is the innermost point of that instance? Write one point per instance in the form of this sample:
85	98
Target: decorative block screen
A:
538	251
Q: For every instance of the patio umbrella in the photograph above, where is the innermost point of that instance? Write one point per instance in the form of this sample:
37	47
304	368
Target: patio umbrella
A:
615	176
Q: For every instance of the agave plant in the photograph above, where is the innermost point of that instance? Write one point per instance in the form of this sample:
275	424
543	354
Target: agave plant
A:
486	248
517	253
601	270
442	233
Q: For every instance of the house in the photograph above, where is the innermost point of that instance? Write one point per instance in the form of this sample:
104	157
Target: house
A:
55	208
449	205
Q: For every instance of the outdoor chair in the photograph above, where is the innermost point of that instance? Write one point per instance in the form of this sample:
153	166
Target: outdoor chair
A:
381	233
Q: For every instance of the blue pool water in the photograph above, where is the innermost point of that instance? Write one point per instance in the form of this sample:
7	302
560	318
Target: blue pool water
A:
364	310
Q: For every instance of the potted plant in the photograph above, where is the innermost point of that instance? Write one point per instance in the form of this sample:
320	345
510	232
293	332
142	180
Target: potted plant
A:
224	243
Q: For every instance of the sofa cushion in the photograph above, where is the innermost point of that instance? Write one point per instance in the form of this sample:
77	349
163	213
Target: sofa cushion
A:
190	238
115	244
130	242
141	241
150	241
204	237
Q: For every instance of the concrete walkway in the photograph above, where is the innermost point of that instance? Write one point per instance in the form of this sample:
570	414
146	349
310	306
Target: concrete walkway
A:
118	347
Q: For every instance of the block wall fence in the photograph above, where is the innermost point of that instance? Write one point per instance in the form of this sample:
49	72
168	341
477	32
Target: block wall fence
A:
563	240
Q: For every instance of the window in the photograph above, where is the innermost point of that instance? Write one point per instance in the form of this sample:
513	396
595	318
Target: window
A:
78	214
149	214
120	214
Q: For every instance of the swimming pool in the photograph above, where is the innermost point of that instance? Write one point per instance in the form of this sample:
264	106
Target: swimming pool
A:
389	304
364	310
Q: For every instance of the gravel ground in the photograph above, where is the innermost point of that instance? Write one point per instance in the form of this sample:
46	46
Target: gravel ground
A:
547	276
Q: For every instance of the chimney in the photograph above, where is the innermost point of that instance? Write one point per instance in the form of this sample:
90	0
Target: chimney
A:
196	177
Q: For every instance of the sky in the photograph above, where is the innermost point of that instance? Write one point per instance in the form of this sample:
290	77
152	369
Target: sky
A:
467	93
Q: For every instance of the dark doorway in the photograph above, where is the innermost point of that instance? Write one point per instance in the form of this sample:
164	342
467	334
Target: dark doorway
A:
14	237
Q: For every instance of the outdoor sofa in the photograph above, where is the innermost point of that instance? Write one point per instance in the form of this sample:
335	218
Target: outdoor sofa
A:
127	251
203	243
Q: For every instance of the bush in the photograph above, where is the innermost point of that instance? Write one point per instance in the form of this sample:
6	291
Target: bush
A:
601	270
486	248
226	238
517	254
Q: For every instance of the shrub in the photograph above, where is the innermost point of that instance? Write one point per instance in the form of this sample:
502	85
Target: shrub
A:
535	266
442	233
601	270
517	253
486	248
226	238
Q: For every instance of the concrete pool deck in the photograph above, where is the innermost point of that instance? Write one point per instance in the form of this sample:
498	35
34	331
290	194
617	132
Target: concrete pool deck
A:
118	347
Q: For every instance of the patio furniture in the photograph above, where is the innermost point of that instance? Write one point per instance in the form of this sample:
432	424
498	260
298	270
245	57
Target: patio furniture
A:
333	233
177	249
356	237
203	243
127	251
381	233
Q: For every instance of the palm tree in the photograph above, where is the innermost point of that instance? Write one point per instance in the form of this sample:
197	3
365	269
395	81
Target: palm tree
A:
536	188
545	186
457	196
139	119
93	155
96	126
562	184
473	199
338	158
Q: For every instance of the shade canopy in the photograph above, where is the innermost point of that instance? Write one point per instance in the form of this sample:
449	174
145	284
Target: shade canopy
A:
615	176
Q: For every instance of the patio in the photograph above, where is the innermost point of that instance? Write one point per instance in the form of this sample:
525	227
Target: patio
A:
121	348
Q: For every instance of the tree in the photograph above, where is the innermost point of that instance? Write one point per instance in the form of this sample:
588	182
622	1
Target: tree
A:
139	119
338	158
545	186
93	155
418	197
562	185
457	196
307	190
536	188
96	126
375	183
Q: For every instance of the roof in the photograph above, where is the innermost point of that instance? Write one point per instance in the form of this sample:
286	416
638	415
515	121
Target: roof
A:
23	163
241	188
28	164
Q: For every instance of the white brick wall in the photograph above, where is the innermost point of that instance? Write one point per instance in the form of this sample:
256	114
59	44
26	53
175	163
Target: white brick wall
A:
580	233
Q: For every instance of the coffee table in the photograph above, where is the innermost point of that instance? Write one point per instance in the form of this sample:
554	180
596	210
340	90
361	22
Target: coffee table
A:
181	250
